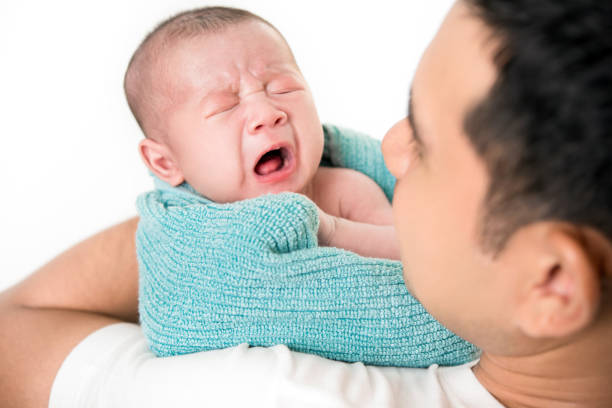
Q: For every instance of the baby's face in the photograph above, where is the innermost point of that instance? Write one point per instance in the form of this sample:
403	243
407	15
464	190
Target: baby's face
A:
242	121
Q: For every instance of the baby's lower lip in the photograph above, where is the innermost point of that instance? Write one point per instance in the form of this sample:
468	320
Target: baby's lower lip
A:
282	174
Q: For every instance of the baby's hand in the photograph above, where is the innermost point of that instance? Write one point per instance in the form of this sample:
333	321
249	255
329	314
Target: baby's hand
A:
327	228
369	240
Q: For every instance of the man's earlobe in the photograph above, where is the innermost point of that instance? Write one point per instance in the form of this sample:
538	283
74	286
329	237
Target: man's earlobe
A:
159	160
564	294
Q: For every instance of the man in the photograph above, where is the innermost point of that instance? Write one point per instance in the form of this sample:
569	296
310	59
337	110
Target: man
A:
503	210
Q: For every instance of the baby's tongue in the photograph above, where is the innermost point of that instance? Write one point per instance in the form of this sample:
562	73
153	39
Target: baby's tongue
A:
268	165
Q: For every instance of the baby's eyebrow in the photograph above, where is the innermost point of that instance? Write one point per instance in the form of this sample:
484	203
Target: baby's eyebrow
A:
416	134
218	92
231	89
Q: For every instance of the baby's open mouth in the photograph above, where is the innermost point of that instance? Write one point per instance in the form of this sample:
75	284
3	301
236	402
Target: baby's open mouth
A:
276	165
273	161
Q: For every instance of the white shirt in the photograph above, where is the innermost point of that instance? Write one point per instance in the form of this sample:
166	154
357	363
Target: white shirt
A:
113	368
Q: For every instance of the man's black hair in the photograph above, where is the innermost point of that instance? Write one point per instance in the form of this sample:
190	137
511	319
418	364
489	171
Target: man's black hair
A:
545	128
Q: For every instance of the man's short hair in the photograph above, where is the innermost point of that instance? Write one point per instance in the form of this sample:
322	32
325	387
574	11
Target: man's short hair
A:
545	128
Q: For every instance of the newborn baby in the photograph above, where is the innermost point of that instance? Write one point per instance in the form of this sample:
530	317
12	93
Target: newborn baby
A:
229	119
225	108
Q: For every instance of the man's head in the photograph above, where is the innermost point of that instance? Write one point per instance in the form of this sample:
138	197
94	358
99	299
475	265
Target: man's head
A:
504	198
224	106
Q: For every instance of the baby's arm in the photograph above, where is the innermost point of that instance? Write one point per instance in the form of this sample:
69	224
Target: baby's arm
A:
349	194
377	241
354	213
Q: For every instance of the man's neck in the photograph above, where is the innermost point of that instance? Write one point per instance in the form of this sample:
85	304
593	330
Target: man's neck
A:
576	374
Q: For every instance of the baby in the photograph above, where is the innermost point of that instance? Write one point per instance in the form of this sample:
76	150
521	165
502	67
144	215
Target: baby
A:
225	108
229	119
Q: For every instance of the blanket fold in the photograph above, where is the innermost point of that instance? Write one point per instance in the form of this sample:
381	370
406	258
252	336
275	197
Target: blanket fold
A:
217	275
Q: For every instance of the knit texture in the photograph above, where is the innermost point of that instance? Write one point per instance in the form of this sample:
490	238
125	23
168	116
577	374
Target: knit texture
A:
217	275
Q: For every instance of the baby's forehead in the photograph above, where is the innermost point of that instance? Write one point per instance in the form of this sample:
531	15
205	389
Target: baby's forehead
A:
208	61
263	44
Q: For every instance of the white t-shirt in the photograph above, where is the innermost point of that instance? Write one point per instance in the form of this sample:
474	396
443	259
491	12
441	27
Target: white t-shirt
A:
113	368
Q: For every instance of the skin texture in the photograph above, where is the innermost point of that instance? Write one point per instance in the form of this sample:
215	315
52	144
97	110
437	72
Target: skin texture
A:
540	310
229	98
44	317
220	101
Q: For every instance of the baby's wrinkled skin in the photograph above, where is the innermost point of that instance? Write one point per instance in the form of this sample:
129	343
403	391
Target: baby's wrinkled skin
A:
230	113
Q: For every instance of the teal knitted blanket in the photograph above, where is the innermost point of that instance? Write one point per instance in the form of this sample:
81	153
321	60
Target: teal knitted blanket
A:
217	275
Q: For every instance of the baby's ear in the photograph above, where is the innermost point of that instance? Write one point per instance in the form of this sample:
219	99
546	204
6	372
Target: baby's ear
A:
562	283
158	158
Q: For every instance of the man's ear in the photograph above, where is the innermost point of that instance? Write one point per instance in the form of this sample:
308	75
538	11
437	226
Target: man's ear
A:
562	287
158	158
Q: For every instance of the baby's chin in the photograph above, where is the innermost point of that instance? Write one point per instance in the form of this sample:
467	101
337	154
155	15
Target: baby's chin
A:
228	199
293	184
278	189
290	186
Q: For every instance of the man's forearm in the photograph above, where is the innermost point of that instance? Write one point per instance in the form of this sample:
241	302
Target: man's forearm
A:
33	345
89	286
98	275
377	241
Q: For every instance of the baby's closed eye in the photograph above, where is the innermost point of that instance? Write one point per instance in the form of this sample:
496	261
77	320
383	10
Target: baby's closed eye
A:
283	86
219	103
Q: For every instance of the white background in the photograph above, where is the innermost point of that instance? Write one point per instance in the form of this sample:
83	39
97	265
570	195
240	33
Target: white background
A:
68	157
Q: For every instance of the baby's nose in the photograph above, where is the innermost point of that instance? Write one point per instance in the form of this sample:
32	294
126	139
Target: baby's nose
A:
265	115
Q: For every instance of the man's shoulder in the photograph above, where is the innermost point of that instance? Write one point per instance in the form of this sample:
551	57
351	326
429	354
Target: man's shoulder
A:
139	379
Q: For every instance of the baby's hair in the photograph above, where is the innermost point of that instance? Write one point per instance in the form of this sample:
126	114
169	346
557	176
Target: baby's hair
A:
187	24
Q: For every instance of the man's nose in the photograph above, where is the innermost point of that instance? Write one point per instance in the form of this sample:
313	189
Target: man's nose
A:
396	149
264	115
